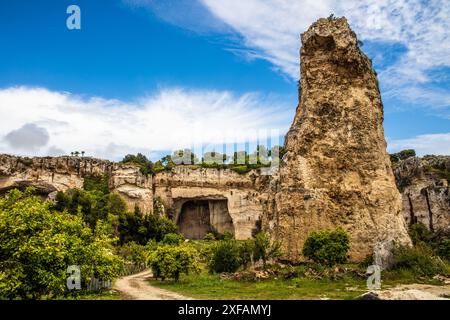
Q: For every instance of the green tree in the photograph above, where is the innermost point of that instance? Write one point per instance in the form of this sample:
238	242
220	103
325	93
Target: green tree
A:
185	156
145	165
265	249
134	253
225	257
327	247
96	183
419	233
38	244
214	158
420	260
169	262
174	239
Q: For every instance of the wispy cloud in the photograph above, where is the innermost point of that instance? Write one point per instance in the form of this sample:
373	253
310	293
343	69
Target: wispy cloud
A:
423	144
168	119
274	27
271	30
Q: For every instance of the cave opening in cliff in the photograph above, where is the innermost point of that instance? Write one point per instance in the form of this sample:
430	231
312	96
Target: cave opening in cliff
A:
201	216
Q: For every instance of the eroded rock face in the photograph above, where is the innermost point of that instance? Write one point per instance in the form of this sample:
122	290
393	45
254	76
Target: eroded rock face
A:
50	174
336	171
425	191
229	195
196	197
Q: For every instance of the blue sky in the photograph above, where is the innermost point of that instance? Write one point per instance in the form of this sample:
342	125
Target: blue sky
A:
150	76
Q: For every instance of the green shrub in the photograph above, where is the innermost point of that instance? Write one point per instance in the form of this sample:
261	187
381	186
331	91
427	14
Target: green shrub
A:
96	183
241	169
209	237
246	251
265	249
225	257
419	233
227	235
444	249
173	239
38	244
419	259
134	253
327	247
145	165
169	262
138	228
93	205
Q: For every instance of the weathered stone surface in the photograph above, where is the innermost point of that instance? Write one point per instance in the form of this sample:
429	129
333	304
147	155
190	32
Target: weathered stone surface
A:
336	171
50	174
425	191
244	195
234	202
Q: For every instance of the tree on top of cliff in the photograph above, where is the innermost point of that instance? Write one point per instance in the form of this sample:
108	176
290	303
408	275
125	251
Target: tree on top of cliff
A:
185	156
145	165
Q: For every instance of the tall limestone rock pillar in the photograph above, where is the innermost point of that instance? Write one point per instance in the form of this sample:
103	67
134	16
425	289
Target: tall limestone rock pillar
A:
336	171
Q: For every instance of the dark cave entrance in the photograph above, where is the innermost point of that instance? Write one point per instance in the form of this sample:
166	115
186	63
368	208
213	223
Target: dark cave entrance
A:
200	216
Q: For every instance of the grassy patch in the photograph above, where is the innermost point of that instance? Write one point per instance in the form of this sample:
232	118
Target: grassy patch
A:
345	287
102	295
211	286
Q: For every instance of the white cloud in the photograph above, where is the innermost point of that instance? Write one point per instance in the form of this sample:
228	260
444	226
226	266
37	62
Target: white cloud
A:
274	26
170	118
271	30
438	144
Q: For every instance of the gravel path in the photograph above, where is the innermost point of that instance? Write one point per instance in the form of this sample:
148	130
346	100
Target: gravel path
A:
137	287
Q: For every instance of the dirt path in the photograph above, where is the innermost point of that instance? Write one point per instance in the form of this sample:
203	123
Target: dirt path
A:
137	287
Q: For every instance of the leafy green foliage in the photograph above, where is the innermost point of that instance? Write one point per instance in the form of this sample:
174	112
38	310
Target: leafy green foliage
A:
327	247
209	236
169	262
419	233
96	183
265	249
402	155
420	260
135	253
241	169
225	257
185	156
443	249
38	244
246	252
92	205
145	165
139	228
173	239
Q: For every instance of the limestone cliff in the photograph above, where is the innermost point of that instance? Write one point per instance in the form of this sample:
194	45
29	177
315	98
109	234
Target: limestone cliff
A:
336	171
235	201
50	174
423	183
197	199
